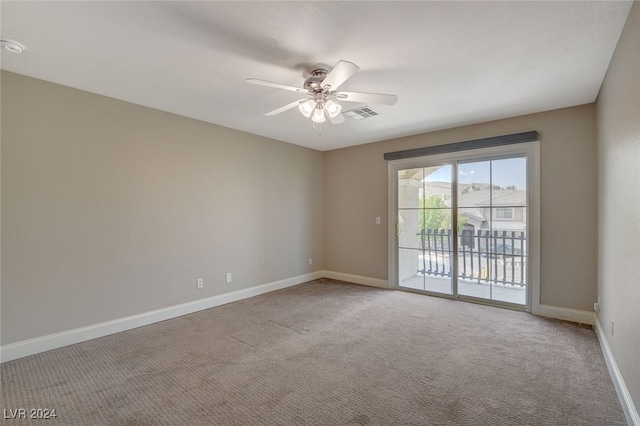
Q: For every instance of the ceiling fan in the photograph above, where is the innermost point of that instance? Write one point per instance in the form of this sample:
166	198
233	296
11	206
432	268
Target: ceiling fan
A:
322	93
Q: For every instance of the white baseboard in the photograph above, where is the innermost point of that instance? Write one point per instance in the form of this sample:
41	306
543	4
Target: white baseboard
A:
629	409
70	337
567	314
58	340
357	279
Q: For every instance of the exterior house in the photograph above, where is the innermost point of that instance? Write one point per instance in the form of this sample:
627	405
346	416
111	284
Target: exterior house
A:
484	207
495	209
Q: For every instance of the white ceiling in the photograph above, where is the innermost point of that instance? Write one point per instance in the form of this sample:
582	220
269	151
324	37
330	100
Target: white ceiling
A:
450	63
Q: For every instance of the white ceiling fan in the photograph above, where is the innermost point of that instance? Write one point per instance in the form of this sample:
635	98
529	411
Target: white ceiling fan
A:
323	96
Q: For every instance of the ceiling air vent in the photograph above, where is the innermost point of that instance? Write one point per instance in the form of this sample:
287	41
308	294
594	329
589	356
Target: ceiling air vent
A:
360	113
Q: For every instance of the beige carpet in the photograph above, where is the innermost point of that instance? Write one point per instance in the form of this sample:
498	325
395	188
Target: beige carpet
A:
326	353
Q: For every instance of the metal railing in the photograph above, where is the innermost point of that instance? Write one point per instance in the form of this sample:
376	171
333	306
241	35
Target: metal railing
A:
483	256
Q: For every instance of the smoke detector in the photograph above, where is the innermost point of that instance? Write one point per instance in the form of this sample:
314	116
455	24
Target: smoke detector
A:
12	46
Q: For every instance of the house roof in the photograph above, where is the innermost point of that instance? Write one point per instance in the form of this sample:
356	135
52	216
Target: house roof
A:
494	197
500	197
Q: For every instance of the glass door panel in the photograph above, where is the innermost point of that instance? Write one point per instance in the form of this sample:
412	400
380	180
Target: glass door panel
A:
425	237
492	229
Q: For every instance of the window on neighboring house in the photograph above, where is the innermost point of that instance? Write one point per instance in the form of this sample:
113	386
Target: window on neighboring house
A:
505	213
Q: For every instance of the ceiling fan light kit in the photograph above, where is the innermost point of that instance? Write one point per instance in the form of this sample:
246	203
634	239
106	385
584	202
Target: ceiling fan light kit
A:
316	109
318	115
307	107
321	87
333	109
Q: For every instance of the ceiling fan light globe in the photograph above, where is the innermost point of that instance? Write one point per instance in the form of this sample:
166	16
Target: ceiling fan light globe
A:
318	116
333	109
307	107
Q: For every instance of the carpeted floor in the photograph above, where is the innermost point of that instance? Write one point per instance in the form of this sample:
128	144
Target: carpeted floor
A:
326	353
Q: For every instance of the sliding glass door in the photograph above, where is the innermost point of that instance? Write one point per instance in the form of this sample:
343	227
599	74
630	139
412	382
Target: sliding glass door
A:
463	226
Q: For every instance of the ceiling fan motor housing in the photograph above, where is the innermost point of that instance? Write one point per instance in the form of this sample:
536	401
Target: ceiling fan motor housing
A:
314	83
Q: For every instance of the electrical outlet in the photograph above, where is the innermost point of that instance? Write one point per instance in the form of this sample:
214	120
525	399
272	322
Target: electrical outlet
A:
199	283
377	220
310	261
229	277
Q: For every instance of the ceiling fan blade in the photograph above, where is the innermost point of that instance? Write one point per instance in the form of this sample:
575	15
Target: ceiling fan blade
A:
367	98
276	85
339	74
337	119
285	108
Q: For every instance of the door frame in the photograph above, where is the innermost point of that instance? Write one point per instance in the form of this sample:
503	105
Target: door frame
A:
532	151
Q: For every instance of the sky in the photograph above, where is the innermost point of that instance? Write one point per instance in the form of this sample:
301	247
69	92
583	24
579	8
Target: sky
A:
506	172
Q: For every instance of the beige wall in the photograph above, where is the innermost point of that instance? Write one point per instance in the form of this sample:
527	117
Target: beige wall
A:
110	209
618	113
356	192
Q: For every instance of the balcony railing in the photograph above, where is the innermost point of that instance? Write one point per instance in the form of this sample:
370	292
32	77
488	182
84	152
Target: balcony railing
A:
485	256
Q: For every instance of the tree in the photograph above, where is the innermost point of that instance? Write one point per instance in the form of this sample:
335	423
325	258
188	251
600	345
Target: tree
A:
436	215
